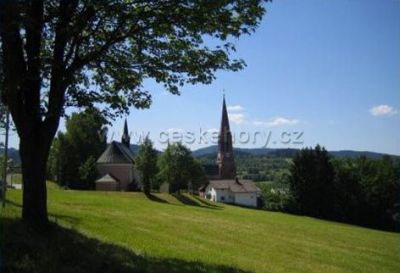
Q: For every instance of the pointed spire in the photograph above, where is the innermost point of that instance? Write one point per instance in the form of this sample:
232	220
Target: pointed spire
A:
225	160
225	119
125	136
126	127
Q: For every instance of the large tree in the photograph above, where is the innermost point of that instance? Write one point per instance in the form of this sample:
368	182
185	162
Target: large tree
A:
89	53
146	163
311	182
177	167
73	154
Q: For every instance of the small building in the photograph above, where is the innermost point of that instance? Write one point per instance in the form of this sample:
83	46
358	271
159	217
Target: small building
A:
233	191
107	183
116	167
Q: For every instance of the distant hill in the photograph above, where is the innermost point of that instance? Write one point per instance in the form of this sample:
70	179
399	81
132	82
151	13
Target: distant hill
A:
355	154
212	150
286	152
14	153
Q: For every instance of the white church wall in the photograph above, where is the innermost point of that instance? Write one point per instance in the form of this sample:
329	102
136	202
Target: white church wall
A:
246	199
211	194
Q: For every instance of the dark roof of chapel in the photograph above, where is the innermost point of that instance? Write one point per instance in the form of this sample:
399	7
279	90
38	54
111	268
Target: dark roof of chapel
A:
116	153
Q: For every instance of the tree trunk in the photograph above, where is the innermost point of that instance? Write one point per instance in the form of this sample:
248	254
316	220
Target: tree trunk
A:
34	153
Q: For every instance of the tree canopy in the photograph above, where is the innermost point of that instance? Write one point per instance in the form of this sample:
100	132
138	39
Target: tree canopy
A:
311	182
74	153
360	191
146	163
178	168
101	51
97	54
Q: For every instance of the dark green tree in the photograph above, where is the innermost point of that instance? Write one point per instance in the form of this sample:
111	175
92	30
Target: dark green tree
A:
381	190
83	139
57	162
86	53
146	163
176	167
165	169
349	204
311	182
88	172
198	176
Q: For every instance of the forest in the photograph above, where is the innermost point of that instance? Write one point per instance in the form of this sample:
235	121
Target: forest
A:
358	190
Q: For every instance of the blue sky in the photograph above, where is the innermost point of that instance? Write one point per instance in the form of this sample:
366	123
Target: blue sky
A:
315	71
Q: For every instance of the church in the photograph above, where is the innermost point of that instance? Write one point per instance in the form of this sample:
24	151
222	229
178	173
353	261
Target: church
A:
116	166
225	186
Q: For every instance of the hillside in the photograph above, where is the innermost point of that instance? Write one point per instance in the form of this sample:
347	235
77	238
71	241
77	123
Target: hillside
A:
126	232
286	152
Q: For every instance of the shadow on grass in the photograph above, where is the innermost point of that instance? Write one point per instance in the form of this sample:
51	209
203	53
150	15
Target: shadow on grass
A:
73	221
193	201
64	250
185	200
206	203
155	198
12	203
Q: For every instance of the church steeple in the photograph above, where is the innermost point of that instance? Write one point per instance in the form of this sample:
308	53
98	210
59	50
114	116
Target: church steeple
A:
225	159
126	139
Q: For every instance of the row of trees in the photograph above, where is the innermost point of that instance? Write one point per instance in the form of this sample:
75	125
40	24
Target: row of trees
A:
176	167
72	160
360	191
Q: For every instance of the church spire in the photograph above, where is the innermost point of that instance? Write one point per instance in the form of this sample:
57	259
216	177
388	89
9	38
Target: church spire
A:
225	160
126	139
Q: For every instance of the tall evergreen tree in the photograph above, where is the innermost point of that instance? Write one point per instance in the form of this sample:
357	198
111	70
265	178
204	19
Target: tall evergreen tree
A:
146	163
348	198
311	182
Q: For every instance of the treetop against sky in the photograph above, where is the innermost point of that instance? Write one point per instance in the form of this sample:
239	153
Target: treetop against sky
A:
328	69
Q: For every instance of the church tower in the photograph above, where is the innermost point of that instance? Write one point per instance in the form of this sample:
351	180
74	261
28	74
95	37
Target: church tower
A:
126	139
225	159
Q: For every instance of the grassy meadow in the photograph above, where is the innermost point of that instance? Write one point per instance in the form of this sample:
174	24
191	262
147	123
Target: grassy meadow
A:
128	232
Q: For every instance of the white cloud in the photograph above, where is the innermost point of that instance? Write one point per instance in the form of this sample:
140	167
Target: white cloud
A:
235	108
275	122
237	118
236	114
382	110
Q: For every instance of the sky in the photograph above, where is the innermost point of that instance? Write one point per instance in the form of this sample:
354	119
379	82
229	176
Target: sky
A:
318	72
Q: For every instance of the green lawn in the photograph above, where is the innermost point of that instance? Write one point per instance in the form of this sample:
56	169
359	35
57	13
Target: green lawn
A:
127	232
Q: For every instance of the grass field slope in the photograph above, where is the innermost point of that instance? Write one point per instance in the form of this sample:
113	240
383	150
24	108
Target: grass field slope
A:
128	232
